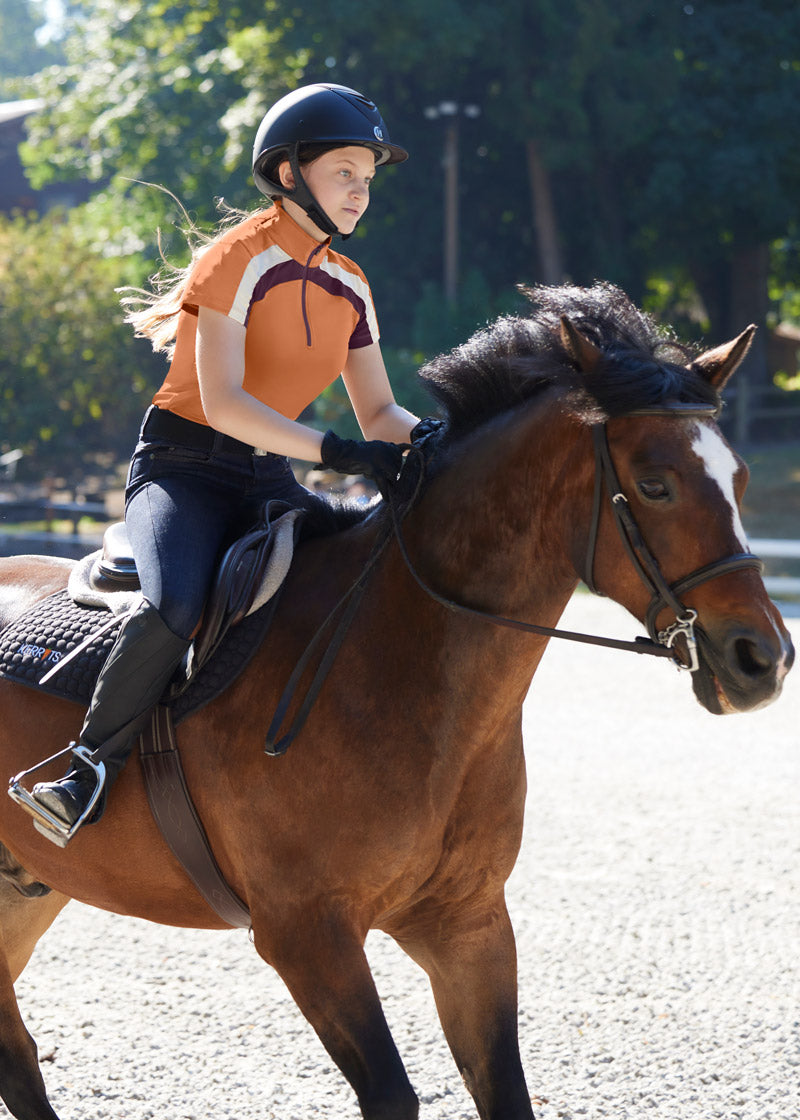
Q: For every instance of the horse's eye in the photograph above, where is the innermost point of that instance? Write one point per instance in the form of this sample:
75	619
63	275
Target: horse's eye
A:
653	489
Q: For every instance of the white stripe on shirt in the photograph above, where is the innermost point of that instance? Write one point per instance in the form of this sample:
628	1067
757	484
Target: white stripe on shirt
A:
259	265
361	289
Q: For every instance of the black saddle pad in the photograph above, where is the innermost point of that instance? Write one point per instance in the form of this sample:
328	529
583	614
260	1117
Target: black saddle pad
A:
42	637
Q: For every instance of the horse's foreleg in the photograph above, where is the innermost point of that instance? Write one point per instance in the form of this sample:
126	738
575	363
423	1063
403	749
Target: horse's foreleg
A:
21	1083
323	964
22	922
470	956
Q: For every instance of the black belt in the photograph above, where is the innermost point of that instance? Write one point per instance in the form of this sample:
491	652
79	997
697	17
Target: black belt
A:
159	423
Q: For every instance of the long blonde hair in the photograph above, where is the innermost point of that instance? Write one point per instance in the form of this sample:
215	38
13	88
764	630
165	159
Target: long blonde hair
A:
153	313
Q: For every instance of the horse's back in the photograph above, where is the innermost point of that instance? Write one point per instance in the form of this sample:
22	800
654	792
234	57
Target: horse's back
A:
26	579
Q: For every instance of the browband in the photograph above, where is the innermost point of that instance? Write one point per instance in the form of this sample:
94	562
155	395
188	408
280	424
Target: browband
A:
679	408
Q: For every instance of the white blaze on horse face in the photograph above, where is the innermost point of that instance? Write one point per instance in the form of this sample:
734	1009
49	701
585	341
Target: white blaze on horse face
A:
721	466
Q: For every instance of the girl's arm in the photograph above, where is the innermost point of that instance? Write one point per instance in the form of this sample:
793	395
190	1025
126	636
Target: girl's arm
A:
232	410
367	384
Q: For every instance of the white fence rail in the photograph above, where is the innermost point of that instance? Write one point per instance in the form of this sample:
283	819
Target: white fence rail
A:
769	548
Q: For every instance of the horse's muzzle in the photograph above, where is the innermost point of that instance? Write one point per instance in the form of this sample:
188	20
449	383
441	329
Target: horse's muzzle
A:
741	669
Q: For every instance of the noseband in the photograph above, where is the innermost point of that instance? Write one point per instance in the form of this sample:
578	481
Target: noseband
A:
647	567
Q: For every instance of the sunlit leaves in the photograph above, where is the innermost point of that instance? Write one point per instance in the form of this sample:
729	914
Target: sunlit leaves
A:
72	380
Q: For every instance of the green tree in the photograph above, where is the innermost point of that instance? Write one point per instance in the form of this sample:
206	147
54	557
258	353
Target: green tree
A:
171	94
146	94
615	142
724	177
73	381
572	103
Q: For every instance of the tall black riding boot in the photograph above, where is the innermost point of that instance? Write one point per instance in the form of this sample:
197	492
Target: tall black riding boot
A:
132	681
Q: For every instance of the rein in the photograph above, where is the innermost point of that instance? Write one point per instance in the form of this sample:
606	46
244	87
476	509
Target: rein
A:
350	600
660	643
639	645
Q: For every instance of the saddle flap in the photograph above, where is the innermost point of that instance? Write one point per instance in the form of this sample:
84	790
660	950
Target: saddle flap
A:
251	572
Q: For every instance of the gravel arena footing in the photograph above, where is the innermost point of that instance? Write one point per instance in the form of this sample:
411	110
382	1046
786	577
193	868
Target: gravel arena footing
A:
657	908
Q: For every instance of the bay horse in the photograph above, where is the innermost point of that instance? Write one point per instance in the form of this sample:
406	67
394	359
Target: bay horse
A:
399	806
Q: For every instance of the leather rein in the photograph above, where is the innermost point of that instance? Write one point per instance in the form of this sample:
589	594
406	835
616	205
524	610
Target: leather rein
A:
660	643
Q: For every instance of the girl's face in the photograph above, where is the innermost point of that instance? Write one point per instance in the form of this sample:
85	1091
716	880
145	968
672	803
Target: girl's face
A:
340	181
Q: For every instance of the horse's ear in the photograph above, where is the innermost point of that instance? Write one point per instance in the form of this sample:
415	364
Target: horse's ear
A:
718	364
584	353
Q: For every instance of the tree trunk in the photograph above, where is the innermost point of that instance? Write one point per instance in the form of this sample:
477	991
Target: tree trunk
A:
735	293
749	303
551	266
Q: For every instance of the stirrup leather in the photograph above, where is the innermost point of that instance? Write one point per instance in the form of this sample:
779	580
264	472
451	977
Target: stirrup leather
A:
46	822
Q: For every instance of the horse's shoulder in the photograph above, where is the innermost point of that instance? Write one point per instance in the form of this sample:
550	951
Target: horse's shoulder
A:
335	556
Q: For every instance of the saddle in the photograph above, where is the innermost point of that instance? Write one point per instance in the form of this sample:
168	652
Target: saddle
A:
251	572
60	644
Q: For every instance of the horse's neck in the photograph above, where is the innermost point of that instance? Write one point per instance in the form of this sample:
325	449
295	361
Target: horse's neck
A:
500	528
497	531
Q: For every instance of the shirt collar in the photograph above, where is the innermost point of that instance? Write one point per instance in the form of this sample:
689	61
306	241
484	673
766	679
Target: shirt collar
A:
295	241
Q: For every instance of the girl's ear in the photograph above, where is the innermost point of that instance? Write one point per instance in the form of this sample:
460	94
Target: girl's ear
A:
286	176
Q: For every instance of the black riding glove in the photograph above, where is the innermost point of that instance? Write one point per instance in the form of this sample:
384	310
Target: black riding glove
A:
427	426
375	458
425	435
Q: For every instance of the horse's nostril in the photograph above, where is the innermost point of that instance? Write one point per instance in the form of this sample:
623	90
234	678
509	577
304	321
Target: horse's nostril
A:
751	658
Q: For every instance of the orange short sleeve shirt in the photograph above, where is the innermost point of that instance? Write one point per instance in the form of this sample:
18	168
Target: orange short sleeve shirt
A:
304	306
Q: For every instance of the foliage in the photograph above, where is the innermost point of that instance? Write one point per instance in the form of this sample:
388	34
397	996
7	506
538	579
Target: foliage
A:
72	381
724	179
730	147
666	131
146	91
439	326
665	128
785	276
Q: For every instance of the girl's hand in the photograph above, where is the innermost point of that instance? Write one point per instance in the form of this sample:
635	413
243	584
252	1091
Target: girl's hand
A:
375	458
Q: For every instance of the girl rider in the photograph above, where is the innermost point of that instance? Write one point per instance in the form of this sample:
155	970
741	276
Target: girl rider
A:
265	318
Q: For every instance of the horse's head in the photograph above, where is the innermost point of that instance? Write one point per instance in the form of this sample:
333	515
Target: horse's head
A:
668	541
660	531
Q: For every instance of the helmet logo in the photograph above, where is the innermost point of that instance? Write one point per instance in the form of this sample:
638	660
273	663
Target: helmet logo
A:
378	132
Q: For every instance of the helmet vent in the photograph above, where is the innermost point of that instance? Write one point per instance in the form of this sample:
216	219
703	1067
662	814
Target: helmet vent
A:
365	101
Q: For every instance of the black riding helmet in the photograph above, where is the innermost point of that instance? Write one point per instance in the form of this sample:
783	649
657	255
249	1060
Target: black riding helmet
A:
320	114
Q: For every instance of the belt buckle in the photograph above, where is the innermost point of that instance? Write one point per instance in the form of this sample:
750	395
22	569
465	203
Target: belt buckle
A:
260	451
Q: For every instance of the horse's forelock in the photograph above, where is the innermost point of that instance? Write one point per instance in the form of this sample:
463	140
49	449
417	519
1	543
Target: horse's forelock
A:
627	381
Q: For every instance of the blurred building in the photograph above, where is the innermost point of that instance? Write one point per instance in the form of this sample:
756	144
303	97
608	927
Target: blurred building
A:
16	193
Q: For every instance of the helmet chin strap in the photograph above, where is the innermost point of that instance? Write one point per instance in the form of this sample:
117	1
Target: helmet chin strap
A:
303	197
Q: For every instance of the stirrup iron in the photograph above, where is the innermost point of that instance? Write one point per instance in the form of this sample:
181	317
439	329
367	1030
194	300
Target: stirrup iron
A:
46	822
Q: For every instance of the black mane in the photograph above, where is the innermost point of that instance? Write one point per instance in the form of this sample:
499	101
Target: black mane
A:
515	359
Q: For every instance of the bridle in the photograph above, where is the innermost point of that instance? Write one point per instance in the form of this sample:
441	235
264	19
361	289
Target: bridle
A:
663	594
660	643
